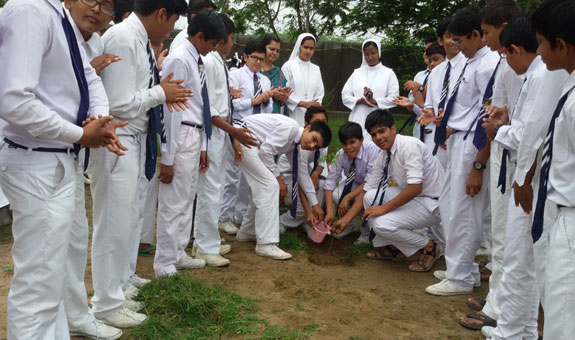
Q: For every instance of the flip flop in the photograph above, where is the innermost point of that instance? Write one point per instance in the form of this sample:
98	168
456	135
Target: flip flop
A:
478	301
147	252
487	321
377	254
421	262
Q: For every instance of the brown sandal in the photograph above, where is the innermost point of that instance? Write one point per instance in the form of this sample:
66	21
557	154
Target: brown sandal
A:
391	255
426	254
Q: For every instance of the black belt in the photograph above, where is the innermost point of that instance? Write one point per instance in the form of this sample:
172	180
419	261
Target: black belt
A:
197	126
15	145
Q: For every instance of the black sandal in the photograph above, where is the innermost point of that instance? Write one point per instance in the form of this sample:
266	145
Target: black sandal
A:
421	261
377	254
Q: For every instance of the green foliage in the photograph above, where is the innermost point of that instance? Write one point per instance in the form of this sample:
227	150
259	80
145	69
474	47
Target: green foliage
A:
291	241
404	54
2	3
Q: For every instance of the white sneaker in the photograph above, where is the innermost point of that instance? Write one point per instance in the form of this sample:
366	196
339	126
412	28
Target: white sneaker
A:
190	263
482	251
442	275
224	249
283	229
97	330
228	227
362	239
243	237
445	288
272	251
131	291
213	260
487	331
138	282
133	305
348	230
124	318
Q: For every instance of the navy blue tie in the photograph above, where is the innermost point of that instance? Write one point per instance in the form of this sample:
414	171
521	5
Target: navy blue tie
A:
538	216
348	181
205	99
155	122
257	92
294	186
502	180
381	187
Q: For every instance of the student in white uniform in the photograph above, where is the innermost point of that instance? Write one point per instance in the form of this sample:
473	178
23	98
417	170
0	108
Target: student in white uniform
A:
464	196
277	135
303	77
371	86
194	7
184	155
134	90
355	161
42	134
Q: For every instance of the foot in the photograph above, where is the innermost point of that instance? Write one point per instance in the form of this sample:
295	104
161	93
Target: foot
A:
228	227
134	306
146	249
224	249
131	291
447	288
477	321
138	282
213	260
475	303
243	237
485	274
97	330
123	318
190	263
386	253
427	257
272	251
362	239
442	275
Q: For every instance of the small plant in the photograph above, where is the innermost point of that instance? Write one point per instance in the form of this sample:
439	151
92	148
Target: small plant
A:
291	241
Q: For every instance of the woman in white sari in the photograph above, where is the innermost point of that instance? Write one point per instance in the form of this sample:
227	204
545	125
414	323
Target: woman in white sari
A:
371	86
304	79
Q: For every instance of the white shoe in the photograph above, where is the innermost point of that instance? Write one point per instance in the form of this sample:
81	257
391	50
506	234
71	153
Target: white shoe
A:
131	291
482	251
362	239
124	318
97	330
243	237
445	288
224	249
133	305
442	275
348	230
213	260
272	251
190	263
138	282
283	229
487	331
228	227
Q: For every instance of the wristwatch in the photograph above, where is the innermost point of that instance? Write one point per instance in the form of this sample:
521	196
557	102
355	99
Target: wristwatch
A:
421	88
479	166
496	128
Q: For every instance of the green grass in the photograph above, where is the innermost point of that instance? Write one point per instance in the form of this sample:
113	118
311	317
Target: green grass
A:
291	241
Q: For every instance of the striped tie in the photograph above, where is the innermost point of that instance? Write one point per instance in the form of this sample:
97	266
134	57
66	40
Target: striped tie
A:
381	187
154	80
294	185
257	92
348	181
205	99
155	122
445	88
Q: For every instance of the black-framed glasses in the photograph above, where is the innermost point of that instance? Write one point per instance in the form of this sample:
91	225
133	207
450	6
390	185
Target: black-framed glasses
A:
104	8
458	41
256	58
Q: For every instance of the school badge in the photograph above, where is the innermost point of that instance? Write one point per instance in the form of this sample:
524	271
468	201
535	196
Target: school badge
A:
201	68
392	182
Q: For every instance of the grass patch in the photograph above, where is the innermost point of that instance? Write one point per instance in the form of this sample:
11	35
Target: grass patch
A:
6	233
291	241
8	269
361	249
280	333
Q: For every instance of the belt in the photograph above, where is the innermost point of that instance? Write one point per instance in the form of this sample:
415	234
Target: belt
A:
15	145
197	126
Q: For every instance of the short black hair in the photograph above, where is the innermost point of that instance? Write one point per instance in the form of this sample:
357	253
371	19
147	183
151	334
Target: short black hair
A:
434	48
430	40
555	19
268	38
147	7
254	46
324	131
370	43
209	23
122	7
379	117
228	24
518	32
196	6
443	27
350	130
312	111
497	12
465	21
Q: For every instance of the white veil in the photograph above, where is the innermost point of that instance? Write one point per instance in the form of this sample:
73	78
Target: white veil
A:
297	46
377	43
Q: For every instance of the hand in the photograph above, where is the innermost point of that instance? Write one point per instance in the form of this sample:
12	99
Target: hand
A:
474	182
411	85
166	174
283	188
245	137
238	152
116	146
315	102
328	219
489	125
318	212
363	100
338	226
236	93
437	120
404	102
101	62
374	211
204	162
427	117
523	196
176	95
97	133
498	113
448	133
311	219
283	94
160	57
315	179
343	206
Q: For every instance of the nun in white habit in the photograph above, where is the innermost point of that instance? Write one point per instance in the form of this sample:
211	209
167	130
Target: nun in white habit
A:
304	79
371	86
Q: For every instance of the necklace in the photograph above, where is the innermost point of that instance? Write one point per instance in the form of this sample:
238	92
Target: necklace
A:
305	79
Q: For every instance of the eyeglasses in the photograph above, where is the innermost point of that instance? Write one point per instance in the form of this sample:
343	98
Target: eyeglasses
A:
256	58
458	41
104	8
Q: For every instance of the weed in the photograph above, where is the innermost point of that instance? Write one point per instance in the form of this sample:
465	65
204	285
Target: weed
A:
291	241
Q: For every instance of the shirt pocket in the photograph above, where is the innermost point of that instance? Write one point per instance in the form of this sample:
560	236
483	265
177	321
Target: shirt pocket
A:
465	94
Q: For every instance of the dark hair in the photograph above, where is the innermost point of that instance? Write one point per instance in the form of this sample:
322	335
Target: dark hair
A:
497	12
350	130
555	19
518	32
379	118
254	46
434	48
430	40
268	38
196	6
312	111
309	37
370	43
465	21
443	27
122	7
209	23
147	7
323	129
228	24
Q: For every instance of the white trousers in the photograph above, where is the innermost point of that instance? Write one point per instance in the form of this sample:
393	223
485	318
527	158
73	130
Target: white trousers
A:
40	187
234	197
286	218
114	193
461	214
176	201
397	227
560	277
207	236
262	216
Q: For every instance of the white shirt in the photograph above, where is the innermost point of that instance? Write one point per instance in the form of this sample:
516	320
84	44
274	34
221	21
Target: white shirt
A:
305	81
507	85
420	79
304	170
561	189
510	136
183	63
39	91
365	158
277	135
93	47
128	79
243	79
181	37
411	163
436	77
218	90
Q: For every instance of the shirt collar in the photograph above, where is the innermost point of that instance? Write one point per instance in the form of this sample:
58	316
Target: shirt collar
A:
191	49
457	59
248	71
57	6
298	135
479	54
141	32
361	152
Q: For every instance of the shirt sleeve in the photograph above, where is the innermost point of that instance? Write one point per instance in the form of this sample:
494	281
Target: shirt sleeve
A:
347	97
429	95
303	176
376	173
173	120
391	94
334	174
266	86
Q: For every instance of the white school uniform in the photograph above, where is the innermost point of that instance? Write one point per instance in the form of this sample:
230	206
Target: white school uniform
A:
182	151
517	292
462	215
380	79
560	269
180	38
420	78
411	163
39	114
115	178
210	184
277	135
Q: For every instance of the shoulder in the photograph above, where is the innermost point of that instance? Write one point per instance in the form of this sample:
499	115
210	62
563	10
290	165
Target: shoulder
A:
119	35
